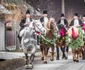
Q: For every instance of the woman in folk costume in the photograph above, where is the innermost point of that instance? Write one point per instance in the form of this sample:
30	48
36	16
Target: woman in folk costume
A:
75	38
62	26
83	27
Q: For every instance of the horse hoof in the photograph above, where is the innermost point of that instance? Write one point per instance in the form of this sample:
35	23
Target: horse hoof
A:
42	58
52	59
66	58
83	58
77	60
63	57
30	66
45	62
74	60
57	58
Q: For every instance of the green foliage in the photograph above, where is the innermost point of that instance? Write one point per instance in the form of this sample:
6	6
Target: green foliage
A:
47	41
75	43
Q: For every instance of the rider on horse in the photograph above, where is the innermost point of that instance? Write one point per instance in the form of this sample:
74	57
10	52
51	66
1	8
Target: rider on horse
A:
24	21
62	26
76	38
44	19
83	27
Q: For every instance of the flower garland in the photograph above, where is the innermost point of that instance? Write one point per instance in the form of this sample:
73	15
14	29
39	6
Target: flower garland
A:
75	43
47	41
61	39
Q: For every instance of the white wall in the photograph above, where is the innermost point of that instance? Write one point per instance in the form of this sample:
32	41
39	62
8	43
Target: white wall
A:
2	36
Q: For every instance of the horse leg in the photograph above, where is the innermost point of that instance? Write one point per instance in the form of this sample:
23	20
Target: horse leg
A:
77	55
52	53
45	54
80	52
38	40
66	52
83	52
63	52
57	49
26	56
42	52
32	58
74	55
26	64
67	49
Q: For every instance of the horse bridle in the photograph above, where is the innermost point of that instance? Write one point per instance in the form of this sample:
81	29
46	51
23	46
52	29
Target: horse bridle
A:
36	26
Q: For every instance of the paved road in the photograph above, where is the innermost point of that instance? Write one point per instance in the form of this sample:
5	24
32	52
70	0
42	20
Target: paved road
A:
57	64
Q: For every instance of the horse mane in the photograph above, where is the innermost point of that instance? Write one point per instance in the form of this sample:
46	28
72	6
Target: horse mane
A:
49	32
48	26
73	32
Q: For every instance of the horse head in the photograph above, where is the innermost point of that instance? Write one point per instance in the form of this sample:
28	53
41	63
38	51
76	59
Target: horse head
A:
61	30
38	26
73	32
51	24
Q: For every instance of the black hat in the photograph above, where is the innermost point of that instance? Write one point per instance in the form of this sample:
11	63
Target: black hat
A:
83	15
27	12
76	14
44	12
62	15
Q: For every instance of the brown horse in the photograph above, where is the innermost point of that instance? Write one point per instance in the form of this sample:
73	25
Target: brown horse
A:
49	35
75	33
61	42
77	54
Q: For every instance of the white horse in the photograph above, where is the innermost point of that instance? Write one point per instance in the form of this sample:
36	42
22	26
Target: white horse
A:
29	40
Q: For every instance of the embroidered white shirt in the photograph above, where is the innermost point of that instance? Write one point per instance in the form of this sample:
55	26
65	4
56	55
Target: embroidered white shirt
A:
62	22
27	20
76	22
45	21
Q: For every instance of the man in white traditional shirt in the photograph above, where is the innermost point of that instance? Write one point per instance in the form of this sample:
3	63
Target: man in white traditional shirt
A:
62	21
76	21
44	19
24	22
